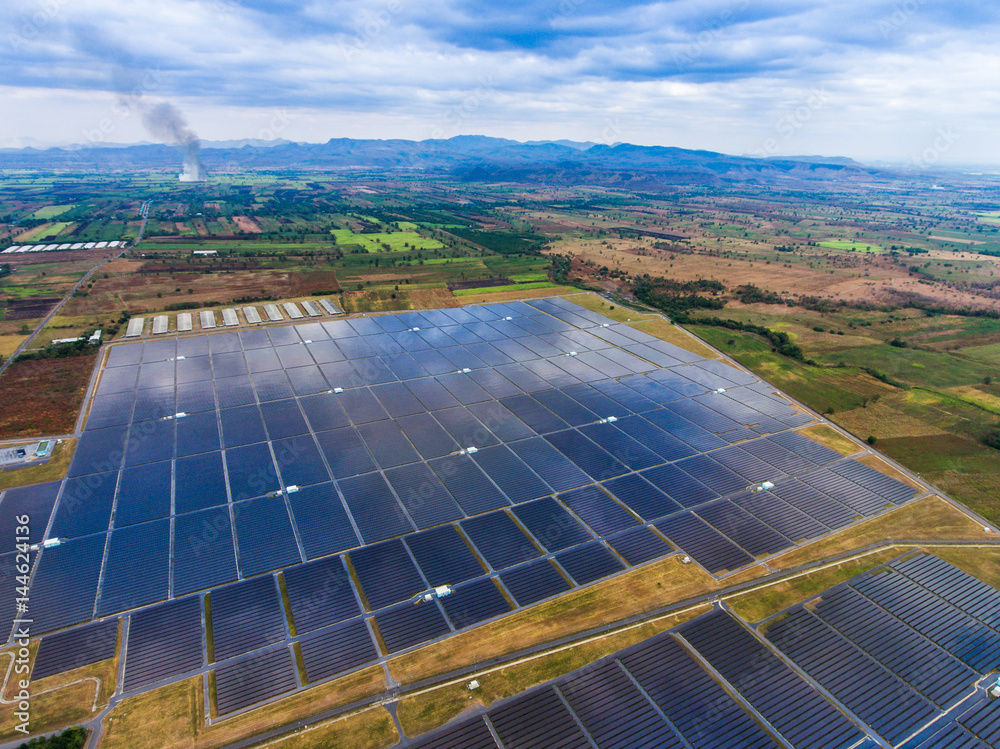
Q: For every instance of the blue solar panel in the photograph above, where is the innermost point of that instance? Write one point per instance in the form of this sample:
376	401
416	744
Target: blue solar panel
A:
642	497
424	497
375	510
345	452
500	541
264	535
743	528
407	625
324	412
149	442
501	422
337	650
595	461
85	506
652	437
253	679
639	545
163	642
534	582
74	648
387	574
475	602
443	556
271	386
432	394
36	502
387	444
397	400
468	484
322	522
299	461
534	414
234	391
551	525
200	482
242	425
465	428
64	584
251	471
98	451
598	510
245	616
429	437
320	593
283	419
622	447
204	554
556	469
196	397
137	568
707	546
679	485
589	562
510	473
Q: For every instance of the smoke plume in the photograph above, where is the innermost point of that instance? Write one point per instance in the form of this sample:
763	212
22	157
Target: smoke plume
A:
165	122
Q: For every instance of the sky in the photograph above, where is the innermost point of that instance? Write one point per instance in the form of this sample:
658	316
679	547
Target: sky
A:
906	81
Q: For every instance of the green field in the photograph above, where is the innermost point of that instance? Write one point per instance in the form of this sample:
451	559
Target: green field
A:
397	241
851	246
51	211
512	287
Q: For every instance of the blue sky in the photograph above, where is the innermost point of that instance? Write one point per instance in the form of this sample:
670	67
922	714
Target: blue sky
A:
908	81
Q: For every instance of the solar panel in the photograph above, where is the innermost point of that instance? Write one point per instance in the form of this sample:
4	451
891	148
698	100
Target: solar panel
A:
64	584
35	501
444	556
426	500
707	546
387	444
253	679
264	535
598	510
387	574
345	452
322	522
787	520
510	473
84	506
320	593
97	451
552	466
375	510
200	482
337	650
204	555
499	540
472	734
474	602
679	485
407	625
539	719
163	642
589	562
299	461
74	648
622	447
251	471
137	569
786	701
246	616
468	484
640	545
551	525
739	525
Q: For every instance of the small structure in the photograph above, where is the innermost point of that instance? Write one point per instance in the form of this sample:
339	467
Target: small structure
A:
207	319
135	327
161	325
185	322
205	253
229	317
293	311
252	315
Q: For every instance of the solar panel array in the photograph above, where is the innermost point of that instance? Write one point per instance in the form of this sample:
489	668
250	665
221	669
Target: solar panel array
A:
512	451
715	682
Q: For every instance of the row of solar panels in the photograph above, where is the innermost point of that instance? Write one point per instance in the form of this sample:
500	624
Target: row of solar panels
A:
150	556
231	317
713	682
23	248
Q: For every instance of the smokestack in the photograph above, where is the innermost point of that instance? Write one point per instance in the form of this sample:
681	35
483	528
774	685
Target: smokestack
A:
165	121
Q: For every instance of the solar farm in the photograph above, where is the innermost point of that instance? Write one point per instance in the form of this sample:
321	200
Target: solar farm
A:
275	507
898	657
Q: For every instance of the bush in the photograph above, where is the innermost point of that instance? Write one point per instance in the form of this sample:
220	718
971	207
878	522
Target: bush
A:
872	439
992	438
71	738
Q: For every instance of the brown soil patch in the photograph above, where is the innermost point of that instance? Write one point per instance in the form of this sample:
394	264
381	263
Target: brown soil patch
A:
43	397
247	224
30	309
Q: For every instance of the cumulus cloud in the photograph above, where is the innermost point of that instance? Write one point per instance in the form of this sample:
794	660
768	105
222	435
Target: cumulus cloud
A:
718	74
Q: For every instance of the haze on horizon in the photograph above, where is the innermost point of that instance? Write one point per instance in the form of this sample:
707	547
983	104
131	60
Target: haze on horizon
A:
907	81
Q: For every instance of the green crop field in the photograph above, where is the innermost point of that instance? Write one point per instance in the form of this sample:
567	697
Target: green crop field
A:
851	245
51	211
397	241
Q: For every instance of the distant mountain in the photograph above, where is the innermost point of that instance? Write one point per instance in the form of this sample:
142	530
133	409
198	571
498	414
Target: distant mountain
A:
472	158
